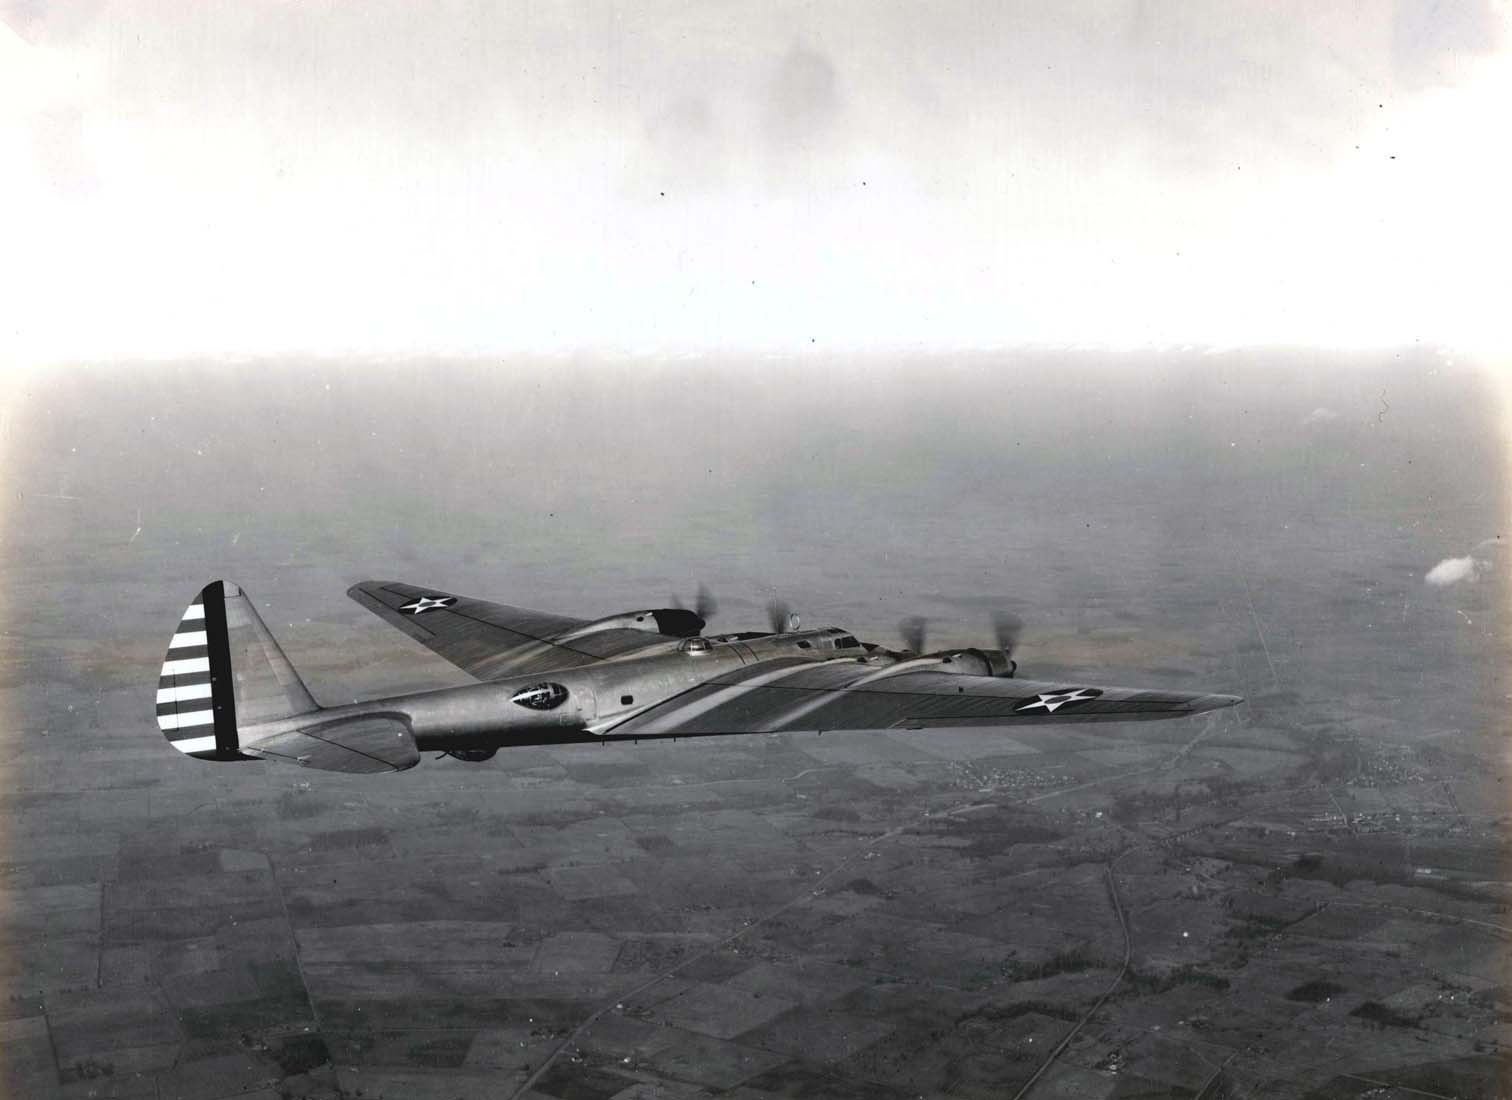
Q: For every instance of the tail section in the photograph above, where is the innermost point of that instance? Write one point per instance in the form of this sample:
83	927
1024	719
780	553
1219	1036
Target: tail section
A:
224	670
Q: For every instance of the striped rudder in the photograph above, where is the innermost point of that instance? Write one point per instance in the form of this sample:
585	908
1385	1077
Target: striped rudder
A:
223	669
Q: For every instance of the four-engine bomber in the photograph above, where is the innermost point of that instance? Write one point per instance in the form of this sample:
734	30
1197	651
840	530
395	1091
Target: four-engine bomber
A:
227	692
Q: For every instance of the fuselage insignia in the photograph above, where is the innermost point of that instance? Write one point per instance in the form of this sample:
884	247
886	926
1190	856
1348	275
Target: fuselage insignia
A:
540	696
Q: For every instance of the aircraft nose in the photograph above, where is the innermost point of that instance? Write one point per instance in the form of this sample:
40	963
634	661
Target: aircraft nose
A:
1215	702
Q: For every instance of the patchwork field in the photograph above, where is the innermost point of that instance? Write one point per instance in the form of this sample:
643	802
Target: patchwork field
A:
1303	897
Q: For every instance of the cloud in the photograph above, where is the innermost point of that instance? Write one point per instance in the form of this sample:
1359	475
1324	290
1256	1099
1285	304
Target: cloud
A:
1431	38
1453	570
683	150
720	176
40	23
804	101
1320	415
59	142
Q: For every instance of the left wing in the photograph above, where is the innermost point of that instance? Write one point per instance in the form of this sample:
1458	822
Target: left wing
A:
849	694
493	640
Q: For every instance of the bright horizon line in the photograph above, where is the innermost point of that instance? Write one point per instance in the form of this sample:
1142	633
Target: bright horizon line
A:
1482	356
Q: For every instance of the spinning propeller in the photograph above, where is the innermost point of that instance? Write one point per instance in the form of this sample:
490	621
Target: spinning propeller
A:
1007	628
680	621
782	617
914	629
705	606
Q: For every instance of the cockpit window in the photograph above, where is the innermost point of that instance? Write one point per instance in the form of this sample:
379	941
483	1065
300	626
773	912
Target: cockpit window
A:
540	696
847	642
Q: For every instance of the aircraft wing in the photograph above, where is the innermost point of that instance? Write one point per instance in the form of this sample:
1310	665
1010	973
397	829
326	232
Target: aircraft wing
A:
850	694
492	640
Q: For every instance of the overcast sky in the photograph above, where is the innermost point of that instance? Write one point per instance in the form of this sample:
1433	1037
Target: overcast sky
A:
400	178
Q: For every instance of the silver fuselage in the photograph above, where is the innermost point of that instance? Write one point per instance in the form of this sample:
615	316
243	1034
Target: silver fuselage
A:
599	695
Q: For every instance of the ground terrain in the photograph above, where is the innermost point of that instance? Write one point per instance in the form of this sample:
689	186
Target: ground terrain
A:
1306	896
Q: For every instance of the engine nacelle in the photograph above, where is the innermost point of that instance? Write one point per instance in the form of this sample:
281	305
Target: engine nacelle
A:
670	622
978	662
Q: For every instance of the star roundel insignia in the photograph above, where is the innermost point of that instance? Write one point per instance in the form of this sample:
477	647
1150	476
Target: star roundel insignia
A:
427	603
1049	702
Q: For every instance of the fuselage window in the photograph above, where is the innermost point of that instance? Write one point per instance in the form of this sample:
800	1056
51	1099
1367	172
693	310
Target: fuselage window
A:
626	700
805	645
846	642
540	696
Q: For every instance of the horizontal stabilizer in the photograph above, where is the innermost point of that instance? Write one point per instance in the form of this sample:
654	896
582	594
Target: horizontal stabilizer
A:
351	745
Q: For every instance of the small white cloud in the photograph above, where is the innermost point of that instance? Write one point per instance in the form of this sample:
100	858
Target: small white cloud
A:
1320	415
1453	570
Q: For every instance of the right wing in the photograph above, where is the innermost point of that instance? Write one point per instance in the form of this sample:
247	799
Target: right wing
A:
491	640
796	695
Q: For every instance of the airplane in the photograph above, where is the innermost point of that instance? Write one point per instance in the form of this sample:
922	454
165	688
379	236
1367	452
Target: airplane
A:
227	692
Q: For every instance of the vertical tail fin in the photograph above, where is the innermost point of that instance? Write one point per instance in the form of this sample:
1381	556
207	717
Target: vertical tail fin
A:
223	668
